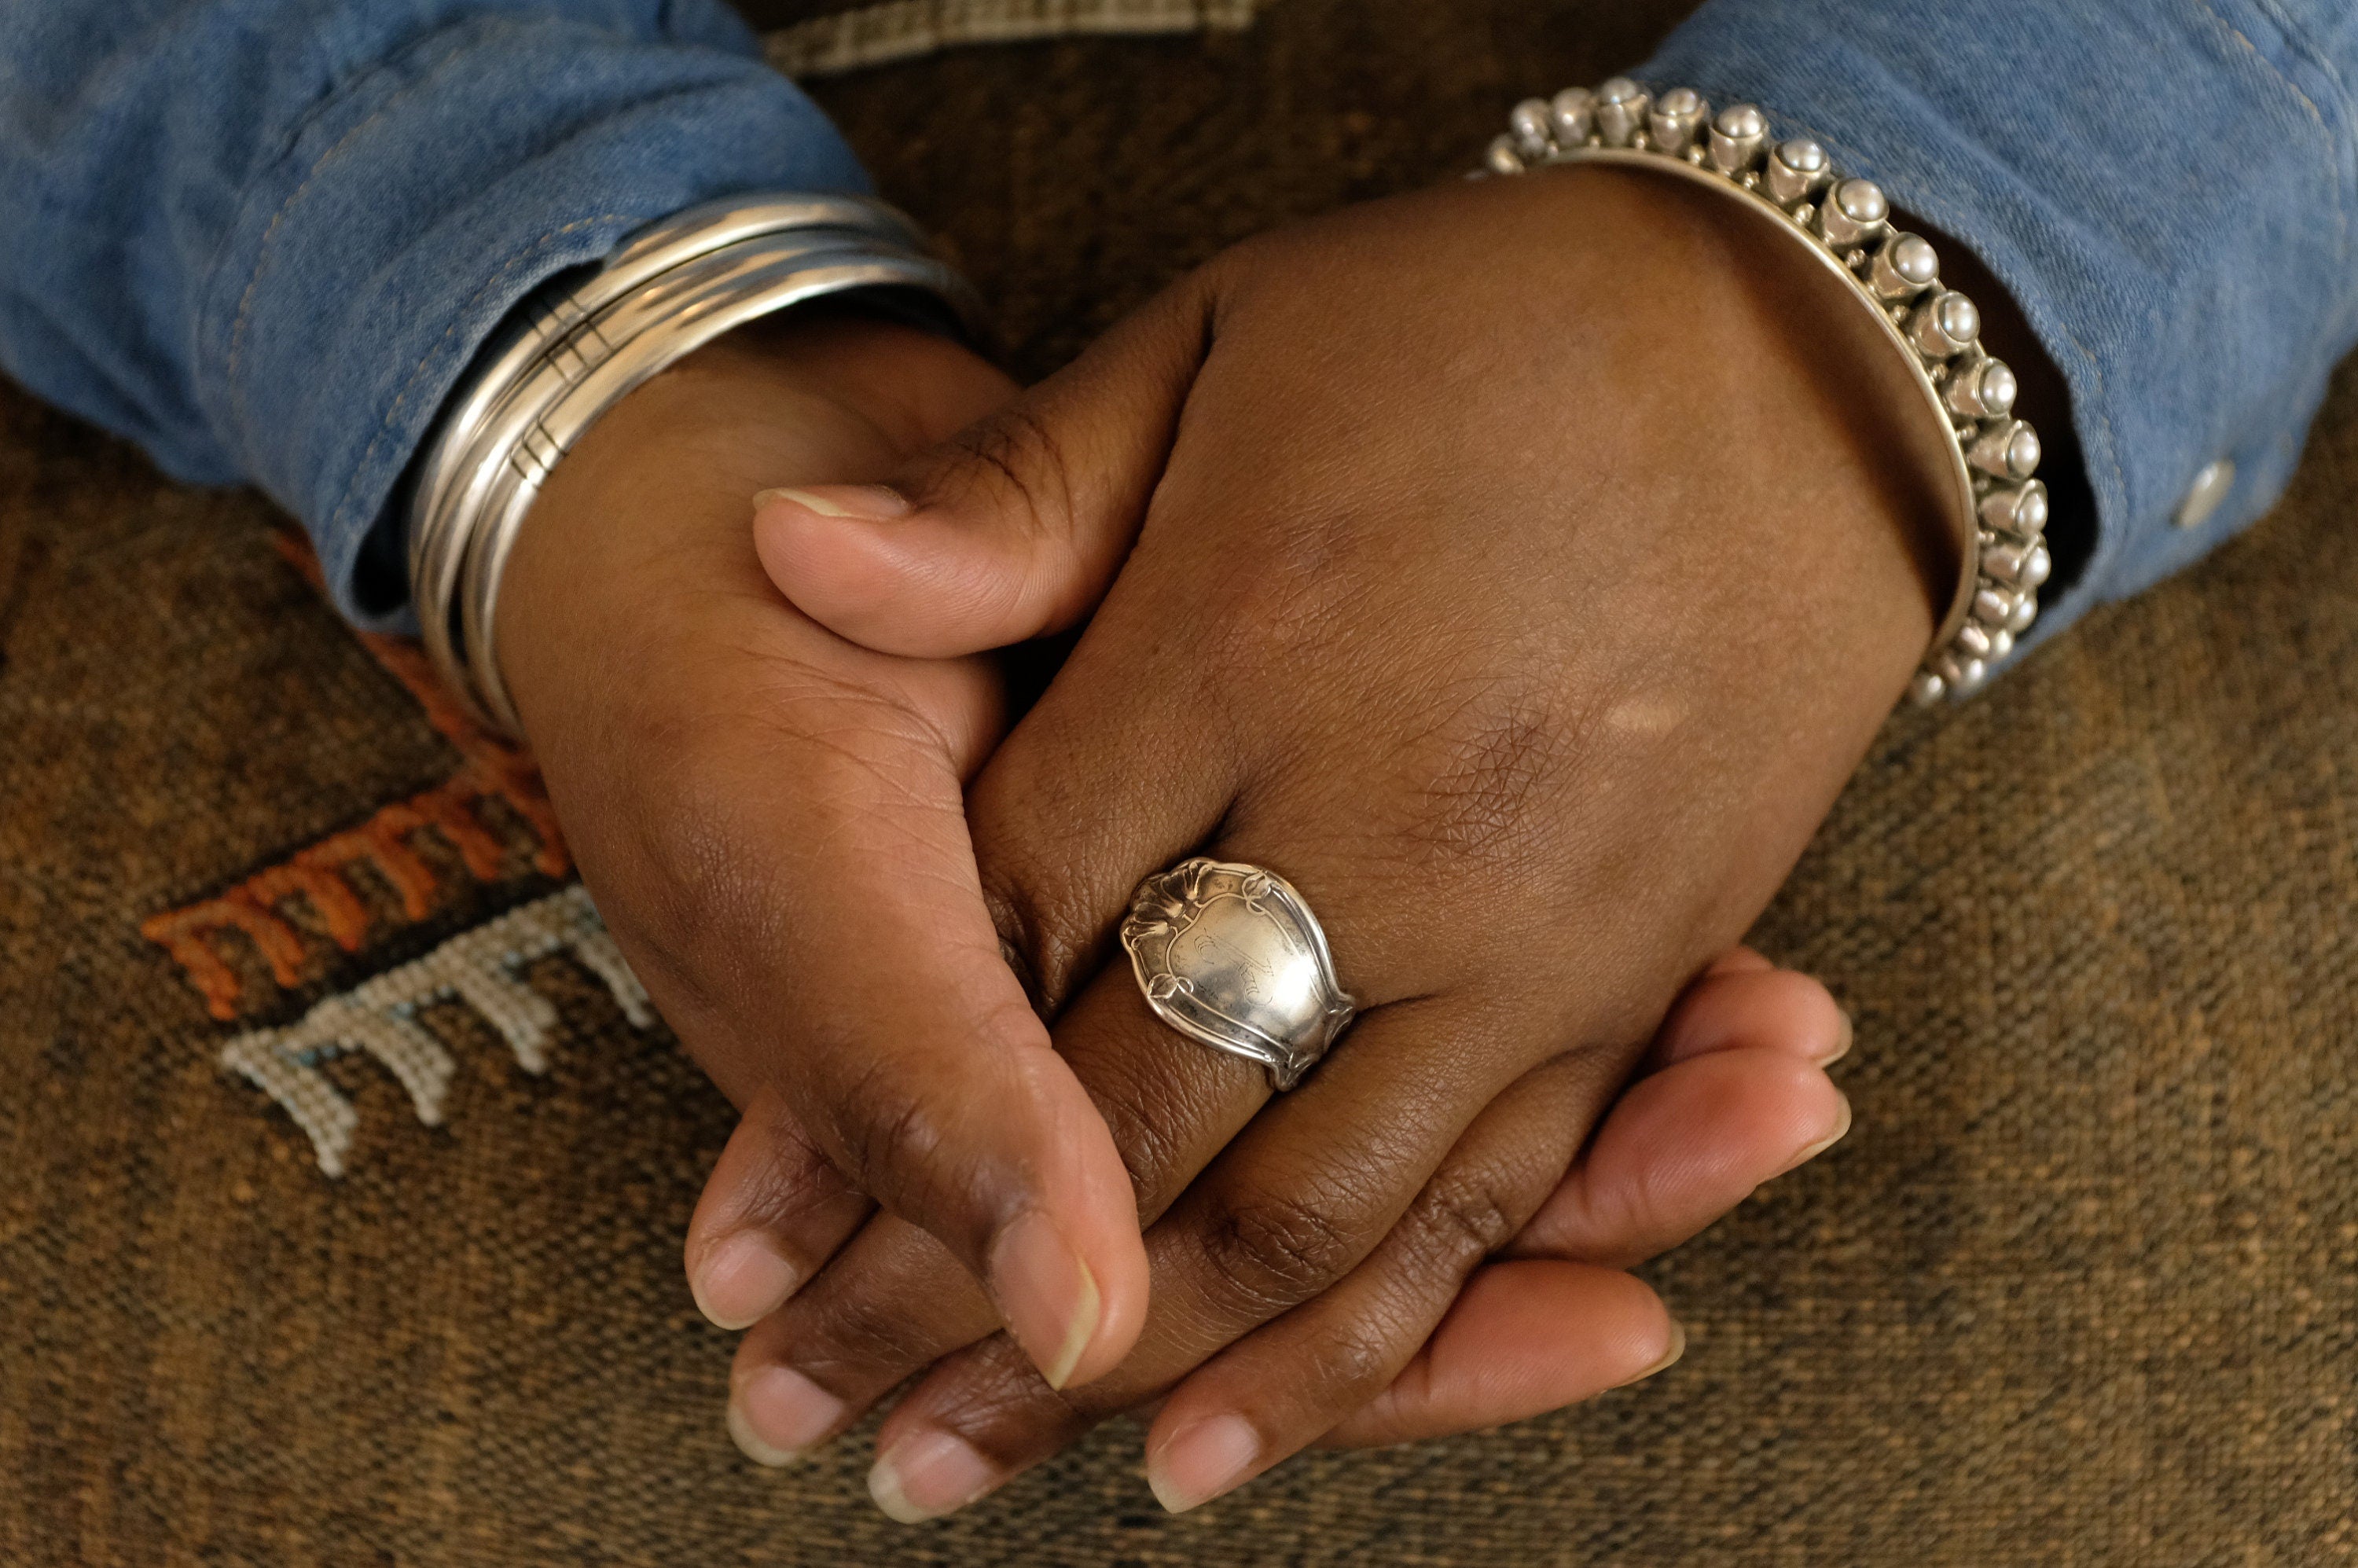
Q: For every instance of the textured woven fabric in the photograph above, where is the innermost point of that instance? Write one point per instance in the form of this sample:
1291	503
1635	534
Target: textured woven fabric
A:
2082	1287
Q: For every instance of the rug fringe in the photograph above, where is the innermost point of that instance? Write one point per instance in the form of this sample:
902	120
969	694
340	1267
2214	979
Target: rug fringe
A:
379	1017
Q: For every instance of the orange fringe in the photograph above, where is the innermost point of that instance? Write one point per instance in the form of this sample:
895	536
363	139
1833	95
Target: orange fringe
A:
494	769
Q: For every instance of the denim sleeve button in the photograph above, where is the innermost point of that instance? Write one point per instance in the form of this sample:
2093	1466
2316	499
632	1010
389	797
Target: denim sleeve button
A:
2211	487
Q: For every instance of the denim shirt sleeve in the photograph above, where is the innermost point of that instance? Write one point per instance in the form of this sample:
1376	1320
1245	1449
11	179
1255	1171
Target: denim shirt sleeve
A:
2169	188
263	238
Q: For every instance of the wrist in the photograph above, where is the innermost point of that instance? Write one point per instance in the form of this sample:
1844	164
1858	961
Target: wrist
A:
647	518
1817	484
1890	280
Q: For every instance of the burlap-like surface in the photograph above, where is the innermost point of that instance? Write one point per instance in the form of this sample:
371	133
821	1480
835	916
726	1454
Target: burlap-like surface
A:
2082	1287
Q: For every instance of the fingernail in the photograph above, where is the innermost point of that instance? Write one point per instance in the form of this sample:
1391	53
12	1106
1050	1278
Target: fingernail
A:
927	1475
1047	1295
1202	1460
1670	1357
1843	1042
778	1416
1841	1127
742	1279
867	502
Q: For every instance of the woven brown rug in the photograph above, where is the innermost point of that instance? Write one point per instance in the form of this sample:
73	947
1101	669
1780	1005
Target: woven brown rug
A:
2081	1288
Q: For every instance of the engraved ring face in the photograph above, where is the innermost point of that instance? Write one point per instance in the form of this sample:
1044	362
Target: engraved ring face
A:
1231	956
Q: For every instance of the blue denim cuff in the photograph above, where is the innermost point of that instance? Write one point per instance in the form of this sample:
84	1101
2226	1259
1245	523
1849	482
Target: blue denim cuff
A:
429	194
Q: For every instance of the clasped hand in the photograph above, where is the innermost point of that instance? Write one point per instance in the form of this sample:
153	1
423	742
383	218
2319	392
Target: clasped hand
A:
1434	555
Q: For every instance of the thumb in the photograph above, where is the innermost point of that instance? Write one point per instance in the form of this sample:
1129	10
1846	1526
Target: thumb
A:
1012	529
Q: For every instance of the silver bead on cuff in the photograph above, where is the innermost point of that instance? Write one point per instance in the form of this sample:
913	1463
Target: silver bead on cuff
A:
2002	516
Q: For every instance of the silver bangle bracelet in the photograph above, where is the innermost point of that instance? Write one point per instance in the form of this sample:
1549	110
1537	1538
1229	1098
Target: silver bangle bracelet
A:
2001	518
567	359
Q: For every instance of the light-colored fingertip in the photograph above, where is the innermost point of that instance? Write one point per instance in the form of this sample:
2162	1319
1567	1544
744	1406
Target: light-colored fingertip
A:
1173	1499
1089	1311
1842	1130
865	502
1047	1295
750	1445
740	1279
1848	1038
927	1477
1670	1357
726	1323
884	1490
1206	1459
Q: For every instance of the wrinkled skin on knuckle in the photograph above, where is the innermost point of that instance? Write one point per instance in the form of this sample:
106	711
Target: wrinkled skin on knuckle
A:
1357	1358
859	1339
1462	1217
1038	872
997	1400
792	1181
1272	1250
1010	459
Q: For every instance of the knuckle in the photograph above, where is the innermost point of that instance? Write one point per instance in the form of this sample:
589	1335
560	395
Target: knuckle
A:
1293	593
1277	1251
1007	1411
940	1151
1034	882
1017	455
1460	1218
791	1179
1358	1359
863	1338
887	1135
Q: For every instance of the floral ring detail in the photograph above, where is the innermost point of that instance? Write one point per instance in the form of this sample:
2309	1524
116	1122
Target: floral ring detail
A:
1231	957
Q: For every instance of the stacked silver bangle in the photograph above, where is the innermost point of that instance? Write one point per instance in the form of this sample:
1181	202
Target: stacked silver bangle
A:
1847	224
568	358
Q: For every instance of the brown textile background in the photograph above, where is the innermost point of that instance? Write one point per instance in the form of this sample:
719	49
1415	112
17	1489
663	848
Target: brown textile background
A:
2081	1288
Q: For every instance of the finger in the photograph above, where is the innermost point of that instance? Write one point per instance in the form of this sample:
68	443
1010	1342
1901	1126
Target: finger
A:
1522	1339
773	1212
894	1301
774	820
1746	1007
892	1029
1528	1337
946	1103
1682	1147
1297	1201
1010	530
1720	1124
1232	1257
1280	1388
1667	1163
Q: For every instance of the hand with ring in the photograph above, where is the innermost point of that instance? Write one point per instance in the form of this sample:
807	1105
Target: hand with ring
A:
1454	567
771	819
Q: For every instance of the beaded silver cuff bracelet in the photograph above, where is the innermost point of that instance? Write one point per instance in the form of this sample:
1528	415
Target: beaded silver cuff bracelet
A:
568	357
1847	224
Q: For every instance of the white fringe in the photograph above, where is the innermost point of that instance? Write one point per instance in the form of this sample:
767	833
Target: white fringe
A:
379	1017
905	29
